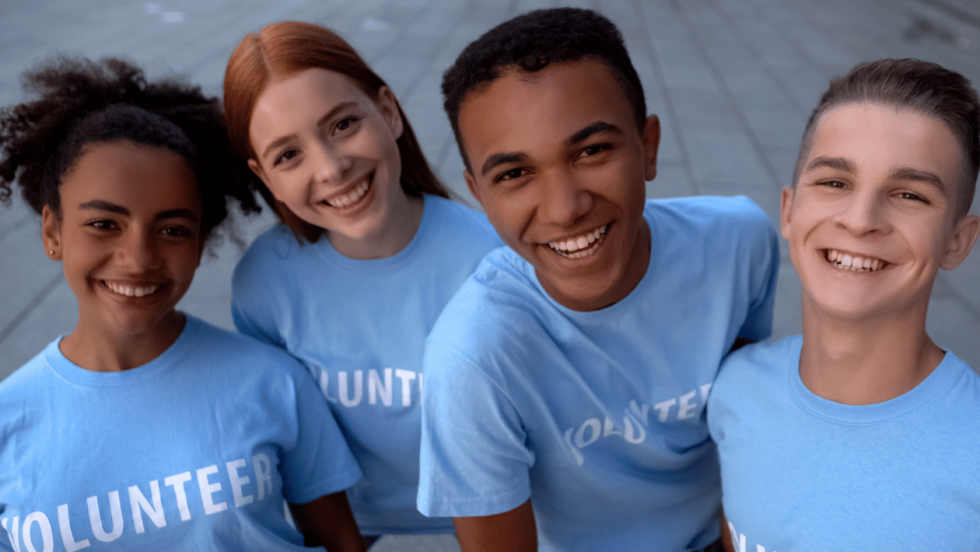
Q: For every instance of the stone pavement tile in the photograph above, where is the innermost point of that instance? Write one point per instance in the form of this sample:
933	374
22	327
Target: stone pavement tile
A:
725	157
27	273
777	129
55	314
786	318
416	543
953	326
963	283
673	180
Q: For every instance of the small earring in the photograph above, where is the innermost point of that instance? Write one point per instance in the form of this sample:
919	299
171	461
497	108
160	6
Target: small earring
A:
51	252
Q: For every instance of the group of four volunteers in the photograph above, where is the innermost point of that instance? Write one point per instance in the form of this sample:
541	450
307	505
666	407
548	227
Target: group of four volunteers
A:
538	377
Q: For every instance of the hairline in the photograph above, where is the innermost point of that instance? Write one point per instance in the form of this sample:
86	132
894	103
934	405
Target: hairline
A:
818	117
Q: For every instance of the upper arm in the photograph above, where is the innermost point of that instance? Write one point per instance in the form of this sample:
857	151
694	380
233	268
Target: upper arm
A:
763	252
328	522
474	451
511	531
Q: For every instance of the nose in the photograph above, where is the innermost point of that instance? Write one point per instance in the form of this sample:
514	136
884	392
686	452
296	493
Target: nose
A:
332	164
139	252
863	213
562	200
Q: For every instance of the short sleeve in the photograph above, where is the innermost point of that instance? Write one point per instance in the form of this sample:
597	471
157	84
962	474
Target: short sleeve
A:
321	462
474	454
764	254
251	310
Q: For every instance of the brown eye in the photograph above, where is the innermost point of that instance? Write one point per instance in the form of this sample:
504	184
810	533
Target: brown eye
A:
285	156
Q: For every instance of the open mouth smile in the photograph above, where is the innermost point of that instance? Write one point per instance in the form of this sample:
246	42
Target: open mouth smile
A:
853	263
351	198
580	246
130	290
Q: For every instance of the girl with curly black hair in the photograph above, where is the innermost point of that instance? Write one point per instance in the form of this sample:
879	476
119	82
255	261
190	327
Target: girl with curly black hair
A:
147	426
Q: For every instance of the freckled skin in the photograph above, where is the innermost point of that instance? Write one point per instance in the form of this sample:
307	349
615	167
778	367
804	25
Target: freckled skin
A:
317	136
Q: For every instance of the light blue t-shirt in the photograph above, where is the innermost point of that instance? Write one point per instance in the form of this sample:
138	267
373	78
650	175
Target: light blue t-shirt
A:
597	416
191	451
801	473
360	326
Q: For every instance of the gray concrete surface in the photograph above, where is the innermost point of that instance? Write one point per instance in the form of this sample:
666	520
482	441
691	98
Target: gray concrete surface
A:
732	80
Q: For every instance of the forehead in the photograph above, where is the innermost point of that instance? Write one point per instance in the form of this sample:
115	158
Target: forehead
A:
881	137
287	98
525	111
131	175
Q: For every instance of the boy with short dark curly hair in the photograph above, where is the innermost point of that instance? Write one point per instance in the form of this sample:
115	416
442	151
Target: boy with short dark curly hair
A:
566	381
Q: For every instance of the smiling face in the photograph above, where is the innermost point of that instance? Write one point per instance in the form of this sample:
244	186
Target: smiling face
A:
559	167
328	151
129	237
871	219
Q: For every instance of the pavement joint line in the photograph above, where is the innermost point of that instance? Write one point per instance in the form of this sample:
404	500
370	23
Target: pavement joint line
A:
793	42
671	114
17	320
430	59
5	230
398	35
760	151
758	55
954	11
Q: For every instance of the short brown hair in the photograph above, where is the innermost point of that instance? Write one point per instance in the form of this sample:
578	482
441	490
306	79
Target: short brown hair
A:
290	47
916	85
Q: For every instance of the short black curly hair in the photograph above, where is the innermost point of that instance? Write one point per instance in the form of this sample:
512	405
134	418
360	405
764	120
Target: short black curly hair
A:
78	102
531	42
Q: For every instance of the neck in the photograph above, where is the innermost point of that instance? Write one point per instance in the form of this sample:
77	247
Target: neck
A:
865	362
98	350
394	235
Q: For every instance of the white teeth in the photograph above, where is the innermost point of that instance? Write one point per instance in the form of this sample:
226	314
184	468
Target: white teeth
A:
578	246
131	291
854	264
351	198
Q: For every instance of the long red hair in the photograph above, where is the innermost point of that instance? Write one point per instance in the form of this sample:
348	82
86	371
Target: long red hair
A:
290	47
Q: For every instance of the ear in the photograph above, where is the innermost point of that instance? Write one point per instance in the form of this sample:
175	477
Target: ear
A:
786	211
471	184
51	233
388	106
961	242
651	144
257	169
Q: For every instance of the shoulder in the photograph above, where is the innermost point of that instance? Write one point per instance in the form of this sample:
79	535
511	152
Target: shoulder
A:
456	221
241	354
15	386
736	215
757	363
267	253
965	387
499	296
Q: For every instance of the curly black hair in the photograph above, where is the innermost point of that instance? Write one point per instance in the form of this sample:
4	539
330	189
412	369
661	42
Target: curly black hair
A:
531	42
79	101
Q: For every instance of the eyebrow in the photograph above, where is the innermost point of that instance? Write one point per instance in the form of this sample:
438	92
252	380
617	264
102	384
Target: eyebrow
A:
839	163
597	127
577	138
283	139
908	173
902	173
102	205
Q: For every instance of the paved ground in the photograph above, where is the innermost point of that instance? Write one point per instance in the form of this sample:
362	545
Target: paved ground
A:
732	80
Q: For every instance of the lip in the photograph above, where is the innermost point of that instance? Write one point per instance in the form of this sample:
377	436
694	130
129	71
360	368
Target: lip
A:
356	204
